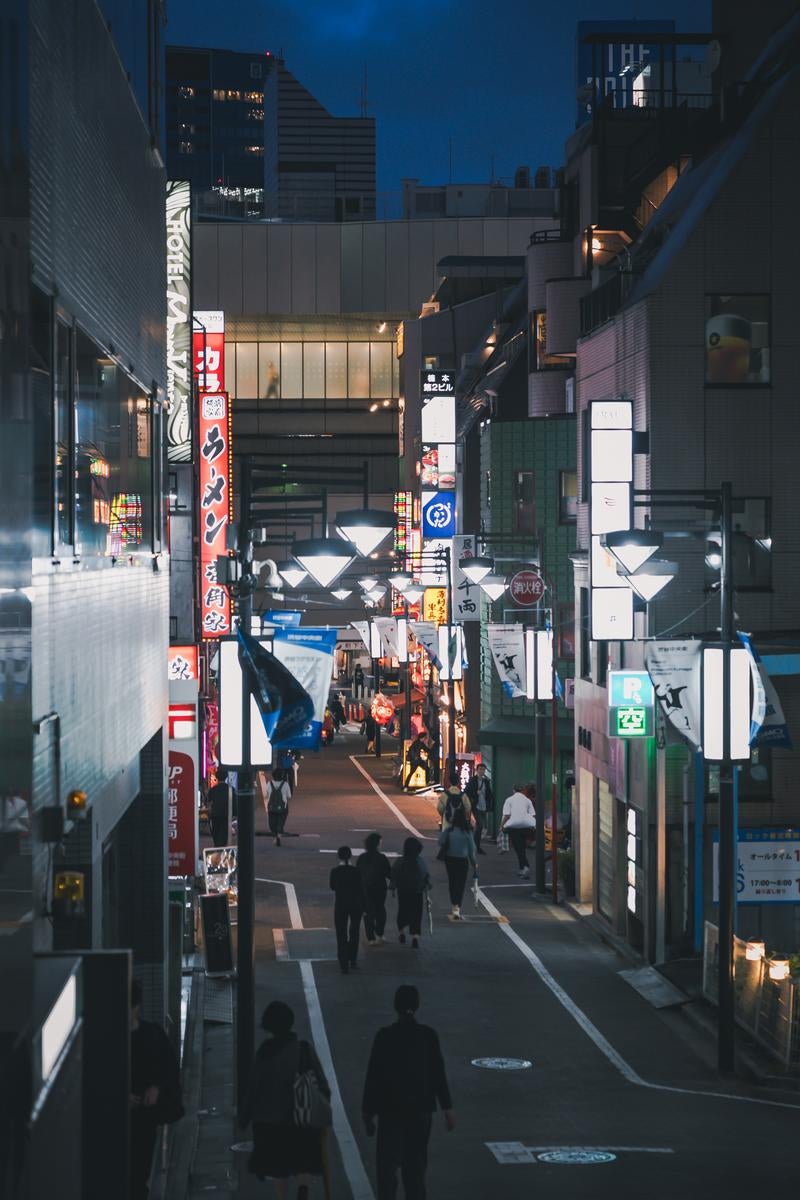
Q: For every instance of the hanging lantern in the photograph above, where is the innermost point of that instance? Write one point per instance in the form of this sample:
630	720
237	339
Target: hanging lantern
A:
382	709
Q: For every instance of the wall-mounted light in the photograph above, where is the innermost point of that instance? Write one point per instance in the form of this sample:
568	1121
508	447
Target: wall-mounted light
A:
779	968
754	951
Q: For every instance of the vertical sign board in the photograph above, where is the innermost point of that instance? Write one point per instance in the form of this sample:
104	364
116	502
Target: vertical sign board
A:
179	316
215	510
231	712
631	709
466	593
182	810
610	509
208	350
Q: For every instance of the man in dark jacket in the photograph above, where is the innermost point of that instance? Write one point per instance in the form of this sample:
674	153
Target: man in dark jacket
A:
347	909
375	873
221	808
155	1097
481	797
405	1080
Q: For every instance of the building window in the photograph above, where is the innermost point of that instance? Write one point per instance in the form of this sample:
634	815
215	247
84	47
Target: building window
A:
113	457
185	93
246	370
255	114
737	340
254	98
358	369
185	148
233	94
585	664
380	370
601	649
336	370
568	497
314	370
524	518
291	370
269	370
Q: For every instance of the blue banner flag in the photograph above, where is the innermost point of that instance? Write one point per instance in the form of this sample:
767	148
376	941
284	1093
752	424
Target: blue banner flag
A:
285	706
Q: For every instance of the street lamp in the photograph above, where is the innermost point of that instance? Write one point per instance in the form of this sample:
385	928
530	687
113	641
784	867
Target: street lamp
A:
341	593
368	583
365	528
649	579
476	567
632	547
291	572
324	559
493	586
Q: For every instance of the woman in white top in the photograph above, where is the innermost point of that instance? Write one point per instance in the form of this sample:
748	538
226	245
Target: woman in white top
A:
518	820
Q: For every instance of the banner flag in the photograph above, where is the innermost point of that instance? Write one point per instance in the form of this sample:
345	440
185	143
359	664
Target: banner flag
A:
387	628
507	646
307	654
674	668
768	726
362	629
427	635
283	702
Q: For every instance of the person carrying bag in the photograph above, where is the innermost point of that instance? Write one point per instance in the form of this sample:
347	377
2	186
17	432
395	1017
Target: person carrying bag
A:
278	796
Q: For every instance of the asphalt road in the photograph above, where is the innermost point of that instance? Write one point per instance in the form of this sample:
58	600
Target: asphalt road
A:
609	1073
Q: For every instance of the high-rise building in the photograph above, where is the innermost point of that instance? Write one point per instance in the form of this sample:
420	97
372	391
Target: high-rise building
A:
255	142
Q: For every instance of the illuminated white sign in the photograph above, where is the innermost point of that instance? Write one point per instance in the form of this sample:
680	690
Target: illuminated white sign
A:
231	712
612	614
58	1026
438	420
179	322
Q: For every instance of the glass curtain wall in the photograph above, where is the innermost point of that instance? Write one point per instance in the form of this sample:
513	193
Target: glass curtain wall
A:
312	370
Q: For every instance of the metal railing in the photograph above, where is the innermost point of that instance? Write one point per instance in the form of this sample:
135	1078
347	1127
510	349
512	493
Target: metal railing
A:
769	1009
605	301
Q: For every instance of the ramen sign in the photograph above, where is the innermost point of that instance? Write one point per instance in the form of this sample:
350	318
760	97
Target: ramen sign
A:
526	588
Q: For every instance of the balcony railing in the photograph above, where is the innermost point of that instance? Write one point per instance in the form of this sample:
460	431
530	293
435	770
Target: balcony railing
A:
605	301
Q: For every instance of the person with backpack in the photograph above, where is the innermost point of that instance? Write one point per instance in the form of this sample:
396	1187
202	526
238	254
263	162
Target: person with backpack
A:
221	809
457	848
410	881
347	909
453	801
519	820
279	793
282	1148
375	873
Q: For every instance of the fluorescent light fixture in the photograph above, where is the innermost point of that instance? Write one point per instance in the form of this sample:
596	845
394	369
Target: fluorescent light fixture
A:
324	558
648	581
612	614
632	547
57	1027
630	850
366	528
291	572
739	710
231	712
414	592
713	723
476	567
493	586
631	899
368	583
741	707
539	664
341	593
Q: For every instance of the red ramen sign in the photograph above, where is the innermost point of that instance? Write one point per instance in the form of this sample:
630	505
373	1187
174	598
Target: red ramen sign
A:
526	588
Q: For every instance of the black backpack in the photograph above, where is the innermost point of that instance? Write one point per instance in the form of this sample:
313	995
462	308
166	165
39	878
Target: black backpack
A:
277	800
454	804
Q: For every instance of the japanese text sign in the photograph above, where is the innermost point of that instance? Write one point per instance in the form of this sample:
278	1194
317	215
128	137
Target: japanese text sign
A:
767	867
215	510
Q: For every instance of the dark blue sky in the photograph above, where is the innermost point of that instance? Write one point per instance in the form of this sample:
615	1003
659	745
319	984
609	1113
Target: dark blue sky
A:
496	78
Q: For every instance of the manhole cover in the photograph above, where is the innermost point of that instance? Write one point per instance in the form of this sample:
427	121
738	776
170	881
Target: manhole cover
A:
576	1157
502	1064
242	1147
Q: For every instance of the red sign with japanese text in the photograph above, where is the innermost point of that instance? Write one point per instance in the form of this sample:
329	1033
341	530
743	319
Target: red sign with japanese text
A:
215	510
208	360
526	588
182	664
181	815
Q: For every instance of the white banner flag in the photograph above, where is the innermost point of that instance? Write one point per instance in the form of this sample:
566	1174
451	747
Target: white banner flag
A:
466	594
362	629
387	628
427	635
675	668
507	644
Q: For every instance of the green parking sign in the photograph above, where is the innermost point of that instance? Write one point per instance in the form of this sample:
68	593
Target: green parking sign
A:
631	704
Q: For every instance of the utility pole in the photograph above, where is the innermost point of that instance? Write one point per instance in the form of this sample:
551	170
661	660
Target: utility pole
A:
245	993
726	1050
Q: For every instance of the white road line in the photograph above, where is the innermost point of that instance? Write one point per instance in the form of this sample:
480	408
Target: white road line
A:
590	1029
402	818
348	1147
594	1034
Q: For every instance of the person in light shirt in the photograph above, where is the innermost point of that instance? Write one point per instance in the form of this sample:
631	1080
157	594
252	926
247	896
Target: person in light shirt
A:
519	819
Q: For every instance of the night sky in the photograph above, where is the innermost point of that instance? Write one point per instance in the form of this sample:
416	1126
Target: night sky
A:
498	79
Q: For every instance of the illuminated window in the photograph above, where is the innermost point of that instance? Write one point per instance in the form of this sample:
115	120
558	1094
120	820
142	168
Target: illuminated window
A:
269	370
185	147
254	149
185	93
291	370
336	370
246	370
314	369
232	94
380	370
255	114
358	369
254	97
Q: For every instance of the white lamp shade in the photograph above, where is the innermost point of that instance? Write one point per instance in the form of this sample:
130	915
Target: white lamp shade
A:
779	968
401	579
476	567
366	528
341	593
633	547
648	581
493	586
324	558
413	593
291	572
368	583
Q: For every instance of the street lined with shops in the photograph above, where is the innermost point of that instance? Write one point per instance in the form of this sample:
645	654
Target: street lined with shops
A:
611	1081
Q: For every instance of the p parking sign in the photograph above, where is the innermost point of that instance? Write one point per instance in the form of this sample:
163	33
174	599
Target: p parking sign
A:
631	704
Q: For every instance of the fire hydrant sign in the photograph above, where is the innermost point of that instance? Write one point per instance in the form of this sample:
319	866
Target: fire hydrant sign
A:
767	867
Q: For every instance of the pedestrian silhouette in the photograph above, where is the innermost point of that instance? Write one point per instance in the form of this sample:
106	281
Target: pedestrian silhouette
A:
347	909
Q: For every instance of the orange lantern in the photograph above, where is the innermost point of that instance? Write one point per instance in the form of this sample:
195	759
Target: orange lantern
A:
382	709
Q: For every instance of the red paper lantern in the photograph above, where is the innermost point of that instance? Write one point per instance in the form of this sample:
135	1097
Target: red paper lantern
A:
382	709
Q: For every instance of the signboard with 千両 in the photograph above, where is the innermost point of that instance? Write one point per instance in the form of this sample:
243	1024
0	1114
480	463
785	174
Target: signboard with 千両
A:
631	704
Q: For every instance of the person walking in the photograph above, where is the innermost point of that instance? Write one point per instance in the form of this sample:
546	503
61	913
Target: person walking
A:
155	1097
221	809
405	1081
279	793
453	801
281	1149
358	682
519	819
410	880
481	797
347	909
375	873
458	848
369	729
